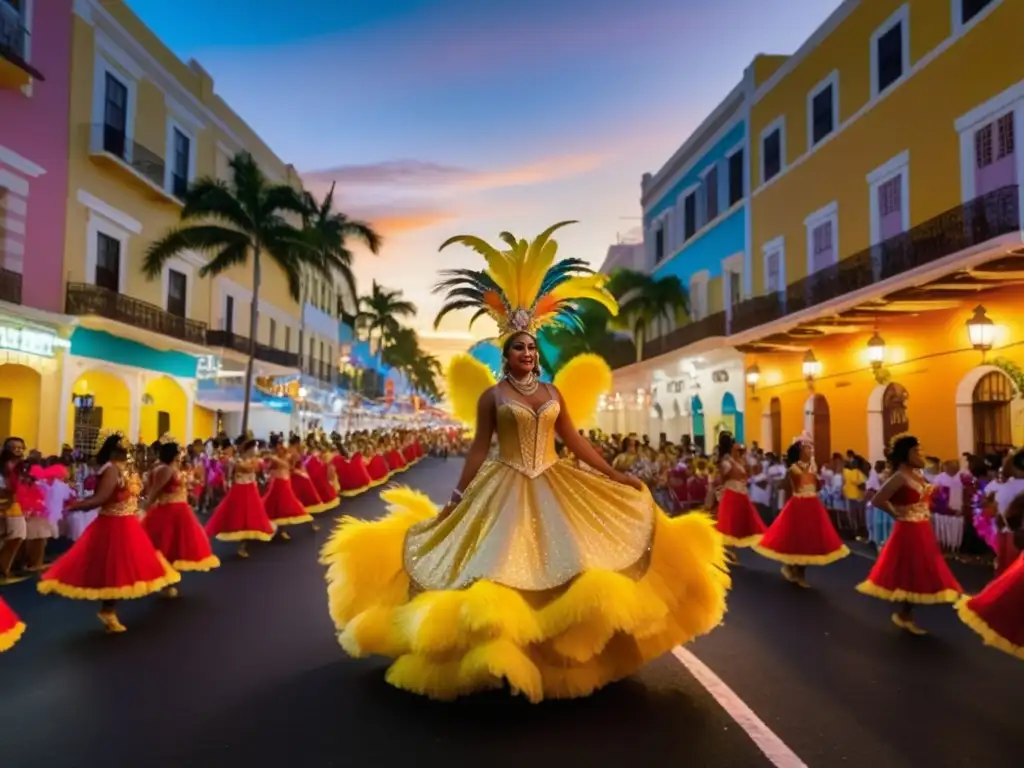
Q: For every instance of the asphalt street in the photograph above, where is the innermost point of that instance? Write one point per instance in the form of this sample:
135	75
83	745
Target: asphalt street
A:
244	669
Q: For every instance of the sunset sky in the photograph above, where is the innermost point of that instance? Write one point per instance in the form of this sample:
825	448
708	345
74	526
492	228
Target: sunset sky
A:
468	116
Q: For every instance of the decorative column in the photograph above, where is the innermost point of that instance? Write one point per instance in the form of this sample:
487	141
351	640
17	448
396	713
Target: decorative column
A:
190	407
136	388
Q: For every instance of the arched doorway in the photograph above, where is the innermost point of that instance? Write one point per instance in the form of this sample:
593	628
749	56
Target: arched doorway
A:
732	418
697	413
19	403
895	420
102	401
818	422
164	411
775	409
991	404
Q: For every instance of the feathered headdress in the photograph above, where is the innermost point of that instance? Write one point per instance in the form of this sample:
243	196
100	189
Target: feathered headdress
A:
106	434
166	439
522	288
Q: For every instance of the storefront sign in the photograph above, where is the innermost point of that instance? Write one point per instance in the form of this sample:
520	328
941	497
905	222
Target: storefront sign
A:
207	367
29	341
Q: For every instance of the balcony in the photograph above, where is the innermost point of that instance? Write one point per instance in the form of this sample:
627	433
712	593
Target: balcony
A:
240	344
684	336
88	299
15	71
10	286
970	224
111	147
321	371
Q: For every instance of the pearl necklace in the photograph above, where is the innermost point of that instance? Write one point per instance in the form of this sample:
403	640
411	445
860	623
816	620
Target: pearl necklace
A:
526	387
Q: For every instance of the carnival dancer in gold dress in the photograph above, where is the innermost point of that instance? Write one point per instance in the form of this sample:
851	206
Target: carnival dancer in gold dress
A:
537	575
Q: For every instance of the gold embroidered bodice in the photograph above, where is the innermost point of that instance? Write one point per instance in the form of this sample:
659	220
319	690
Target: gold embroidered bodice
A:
735	476
526	438
804	481
245	471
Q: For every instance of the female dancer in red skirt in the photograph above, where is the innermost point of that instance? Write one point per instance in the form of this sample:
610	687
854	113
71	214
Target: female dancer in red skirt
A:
997	612
240	516
304	489
910	569
377	466
802	534
738	520
353	478
280	502
318	475
114	559
393	456
11	628
169	521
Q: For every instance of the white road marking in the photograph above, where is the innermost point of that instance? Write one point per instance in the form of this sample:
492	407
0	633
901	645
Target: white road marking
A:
767	741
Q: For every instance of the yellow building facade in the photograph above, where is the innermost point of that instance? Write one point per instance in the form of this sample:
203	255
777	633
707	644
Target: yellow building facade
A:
144	125
885	207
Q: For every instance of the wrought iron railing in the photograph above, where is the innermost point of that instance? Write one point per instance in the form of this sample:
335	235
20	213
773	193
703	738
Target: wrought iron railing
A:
13	35
231	340
114	140
972	223
712	325
87	299
319	370
10	286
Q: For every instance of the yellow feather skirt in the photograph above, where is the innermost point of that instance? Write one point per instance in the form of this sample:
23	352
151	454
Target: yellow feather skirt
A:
561	643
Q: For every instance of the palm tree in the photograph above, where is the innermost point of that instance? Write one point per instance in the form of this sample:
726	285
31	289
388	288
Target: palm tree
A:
240	222
379	313
646	301
329	232
404	354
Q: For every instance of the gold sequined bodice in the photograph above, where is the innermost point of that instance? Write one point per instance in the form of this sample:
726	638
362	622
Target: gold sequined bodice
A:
245	472
526	438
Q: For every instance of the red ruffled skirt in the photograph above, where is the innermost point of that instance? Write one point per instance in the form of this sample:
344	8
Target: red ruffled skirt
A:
378	469
997	613
306	493
910	568
11	628
802	534
240	516
114	560
178	536
1006	552
738	520
395	461
281	504
353	478
322	486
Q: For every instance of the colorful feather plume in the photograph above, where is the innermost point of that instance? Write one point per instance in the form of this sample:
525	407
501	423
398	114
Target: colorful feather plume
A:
467	379
581	383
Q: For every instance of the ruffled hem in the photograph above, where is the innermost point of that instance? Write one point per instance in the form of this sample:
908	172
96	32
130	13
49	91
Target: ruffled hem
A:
871	589
197	566
379	482
746	541
244	536
602	627
988	635
355	492
780	557
11	636
297	520
324	506
127	592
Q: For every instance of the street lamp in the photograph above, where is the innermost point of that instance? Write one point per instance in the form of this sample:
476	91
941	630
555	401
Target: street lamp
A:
981	330
811	368
753	377
876	356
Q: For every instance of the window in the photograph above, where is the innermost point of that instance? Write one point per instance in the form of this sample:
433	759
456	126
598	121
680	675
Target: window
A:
659	244
735	285
774	255
108	262
181	148
711	194
822	238
115	116
772	272
995	161
287	338
823	108
690	214
971	8
771	155
890	198
890	207
699	295
177	290
163	422
735	177
273	332
822	250
890	51
229	314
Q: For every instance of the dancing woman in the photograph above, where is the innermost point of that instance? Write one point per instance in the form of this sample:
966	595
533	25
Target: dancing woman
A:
997	612
910	569
803	533
537	575
114	559
169	522
241	516
738	519
282	506
11	627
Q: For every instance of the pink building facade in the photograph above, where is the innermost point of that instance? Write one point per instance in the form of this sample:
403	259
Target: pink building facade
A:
35	57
